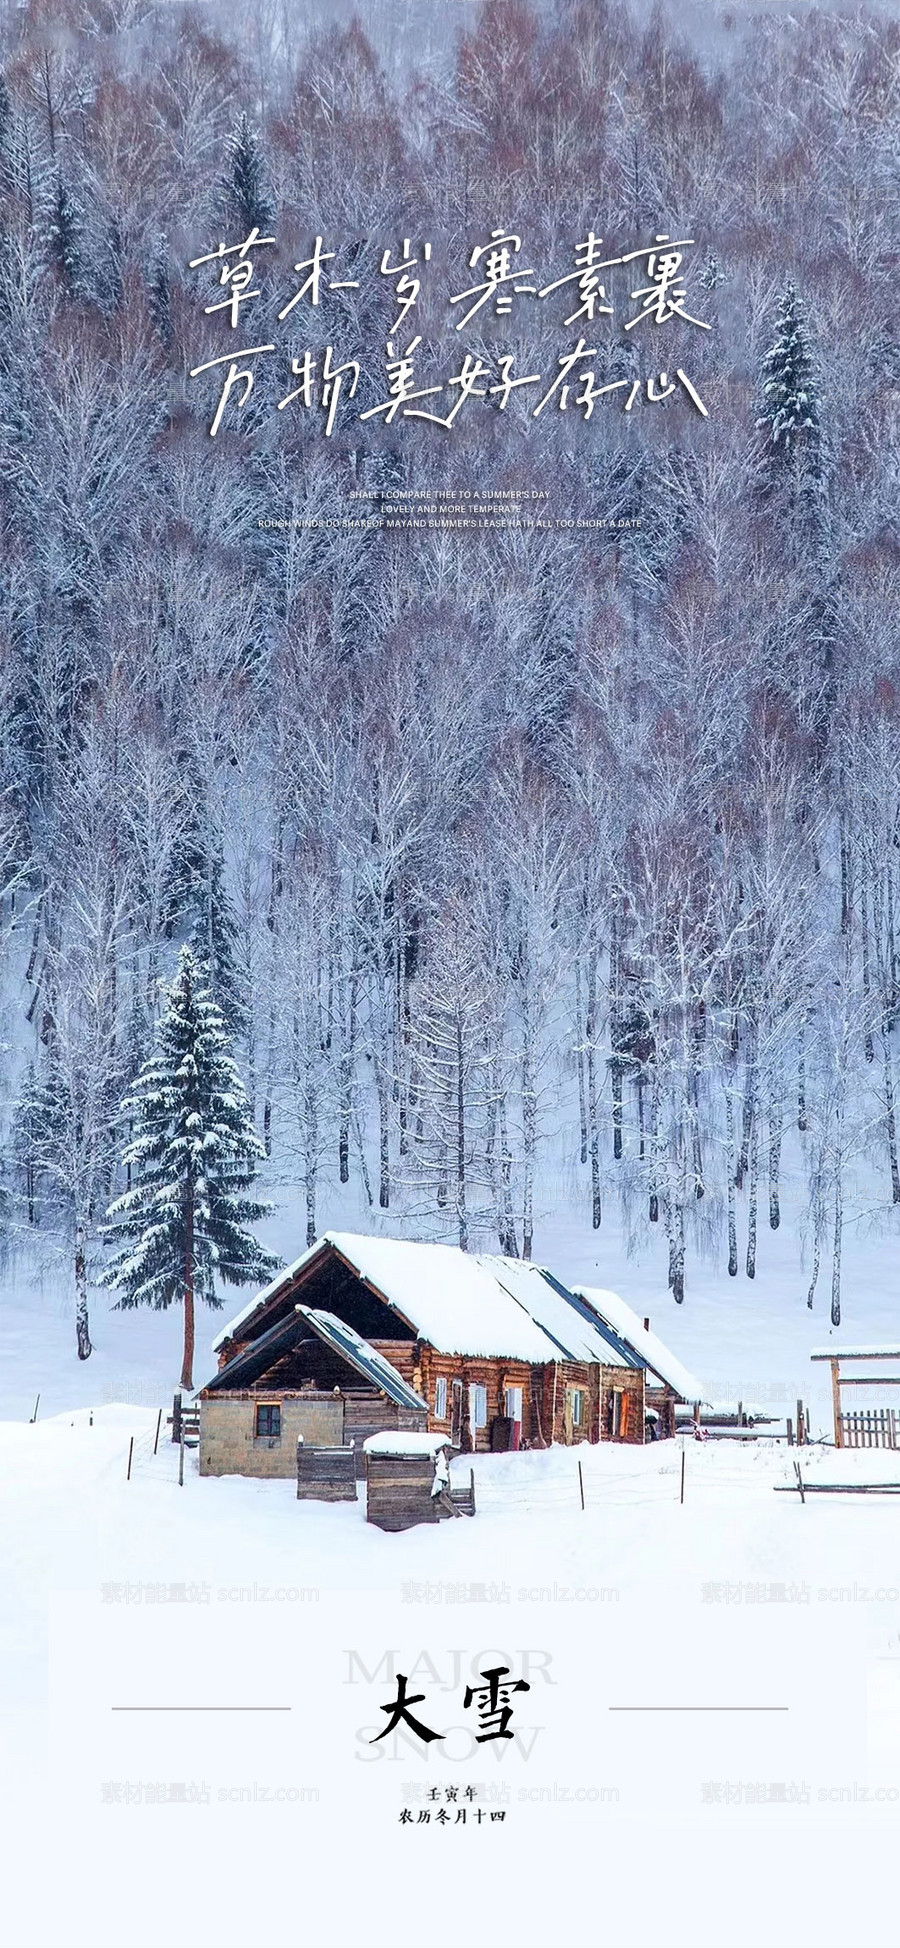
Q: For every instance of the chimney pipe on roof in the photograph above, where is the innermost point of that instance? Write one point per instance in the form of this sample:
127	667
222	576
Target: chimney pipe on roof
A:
646	1325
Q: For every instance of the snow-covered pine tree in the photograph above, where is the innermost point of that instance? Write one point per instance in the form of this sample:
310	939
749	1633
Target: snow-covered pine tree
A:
28	1141
192	1156
213	940
790	407
6	129
245	186
65	233
158	292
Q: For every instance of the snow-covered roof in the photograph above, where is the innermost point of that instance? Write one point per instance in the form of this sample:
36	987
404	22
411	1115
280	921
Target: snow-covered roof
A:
364	1357
465	1302
646	1344
837	1352
255	1360
401	1443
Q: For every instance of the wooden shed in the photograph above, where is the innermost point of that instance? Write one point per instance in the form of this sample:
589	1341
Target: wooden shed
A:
408	1481
325	1474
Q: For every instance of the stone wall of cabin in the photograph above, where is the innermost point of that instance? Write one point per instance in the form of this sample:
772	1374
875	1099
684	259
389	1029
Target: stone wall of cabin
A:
229	1444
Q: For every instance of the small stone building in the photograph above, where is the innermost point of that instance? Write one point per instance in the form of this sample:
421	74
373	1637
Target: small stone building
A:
491	1351
309	1377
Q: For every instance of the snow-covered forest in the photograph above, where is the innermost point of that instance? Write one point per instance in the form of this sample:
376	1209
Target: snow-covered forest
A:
494	842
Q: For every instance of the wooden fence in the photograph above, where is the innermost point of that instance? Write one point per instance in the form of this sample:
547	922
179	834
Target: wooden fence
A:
876	1427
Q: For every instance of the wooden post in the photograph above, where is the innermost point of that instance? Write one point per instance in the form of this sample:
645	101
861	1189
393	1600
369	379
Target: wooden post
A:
581	1483
696	1413
800	1482
740	1420
130	1453
682	1473
790	1431
181	1459
36	1406
801	1425
836	1402
176	1417
158	1425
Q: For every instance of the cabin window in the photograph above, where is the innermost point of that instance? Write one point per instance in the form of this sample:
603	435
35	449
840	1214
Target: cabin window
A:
577	1394
477	1408
268	1423
440	1399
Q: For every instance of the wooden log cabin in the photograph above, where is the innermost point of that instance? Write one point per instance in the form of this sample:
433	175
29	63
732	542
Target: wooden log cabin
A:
493	1352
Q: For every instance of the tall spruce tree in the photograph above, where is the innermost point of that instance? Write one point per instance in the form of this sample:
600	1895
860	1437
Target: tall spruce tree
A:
214	940
245	186
65	234
790	409
192	1157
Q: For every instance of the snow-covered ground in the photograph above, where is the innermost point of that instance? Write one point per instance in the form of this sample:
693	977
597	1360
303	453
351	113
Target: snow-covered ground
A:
770	1814
712	1727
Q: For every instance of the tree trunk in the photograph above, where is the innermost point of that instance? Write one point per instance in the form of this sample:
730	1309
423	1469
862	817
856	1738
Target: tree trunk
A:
187	1364
615	1065
529	1143
594	1133
510	1248
753	1165
311	1118
694	1111
461	1212
818	1228
579	1056
845	880
891	1115
869	1042
836	1254
82	1327
653	1212
802	1119
775	1132
729	1171
347	1060
891	943
676	1250
384	1153
748	1120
